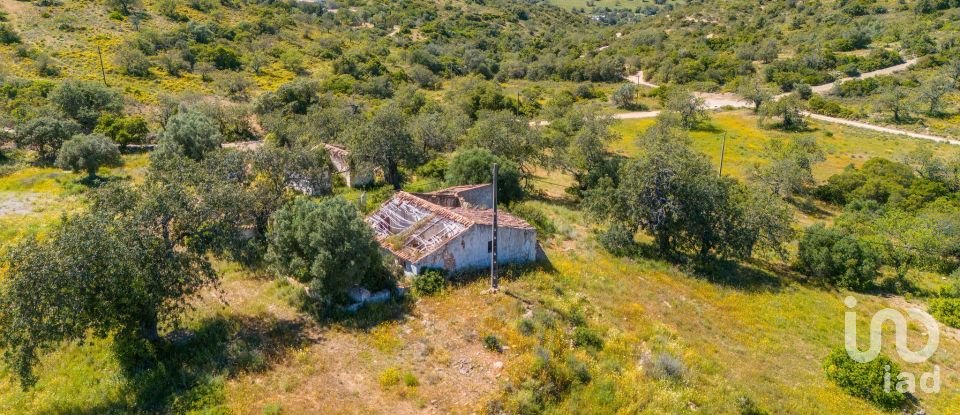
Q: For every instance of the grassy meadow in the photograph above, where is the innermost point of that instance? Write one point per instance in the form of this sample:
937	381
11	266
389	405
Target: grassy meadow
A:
746	142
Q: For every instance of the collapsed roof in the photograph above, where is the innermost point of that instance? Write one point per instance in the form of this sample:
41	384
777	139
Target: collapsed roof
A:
413	226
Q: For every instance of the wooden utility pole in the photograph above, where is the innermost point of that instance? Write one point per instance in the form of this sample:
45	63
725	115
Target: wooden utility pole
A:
494	278
723	150
102	71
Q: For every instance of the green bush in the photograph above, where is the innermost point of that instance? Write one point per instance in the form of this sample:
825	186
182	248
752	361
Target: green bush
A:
123	130
946	310
327	246
429	282
837	258
533	215
492	343
618	240
7	35
585	337
664	366
864	380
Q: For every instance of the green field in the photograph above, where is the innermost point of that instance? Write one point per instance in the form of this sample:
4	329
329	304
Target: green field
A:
746	140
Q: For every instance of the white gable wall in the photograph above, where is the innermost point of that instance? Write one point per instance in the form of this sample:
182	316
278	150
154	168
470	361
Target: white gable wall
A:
468	251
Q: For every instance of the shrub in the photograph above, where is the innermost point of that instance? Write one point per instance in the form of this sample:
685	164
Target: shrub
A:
429	282
946	310
618	240
492	343
664	366
389	377
746	406
132	62
585	337
803	90
7	35
864	380
533	215
838	258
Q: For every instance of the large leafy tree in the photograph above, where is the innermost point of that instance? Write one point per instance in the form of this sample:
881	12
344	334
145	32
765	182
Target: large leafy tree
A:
85	101
88	153
505	135
384	141
837	257
790	168
95	274
753	89
123	130
674	194
45	135
690	108
327	246
788	109
577	140
474	166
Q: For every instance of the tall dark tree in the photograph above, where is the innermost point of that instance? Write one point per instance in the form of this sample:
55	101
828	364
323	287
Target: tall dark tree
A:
674	194
85	101
384	141
95	274
45	136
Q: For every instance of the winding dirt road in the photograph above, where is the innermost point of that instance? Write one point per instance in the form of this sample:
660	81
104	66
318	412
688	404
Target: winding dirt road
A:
727	100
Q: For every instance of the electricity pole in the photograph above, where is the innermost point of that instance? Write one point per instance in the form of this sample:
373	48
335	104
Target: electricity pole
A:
494	278
102	71
723	150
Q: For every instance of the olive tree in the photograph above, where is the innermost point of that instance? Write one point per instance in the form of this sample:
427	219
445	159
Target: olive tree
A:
674	194
690	108
788	109
45	136
753	89
790	167
475	166
327	246
384	140
88	153
625	96
85	101
188	133
94	275
933	92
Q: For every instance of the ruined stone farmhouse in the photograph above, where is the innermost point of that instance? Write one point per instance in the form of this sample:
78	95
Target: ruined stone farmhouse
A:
354	174
450	229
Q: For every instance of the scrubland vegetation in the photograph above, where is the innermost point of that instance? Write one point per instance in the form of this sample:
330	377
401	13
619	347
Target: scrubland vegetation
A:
175	239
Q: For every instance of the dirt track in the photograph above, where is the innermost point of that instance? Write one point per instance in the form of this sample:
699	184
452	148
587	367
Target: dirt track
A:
726	100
